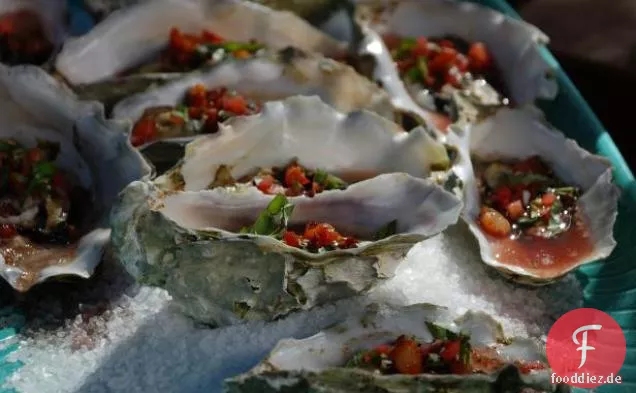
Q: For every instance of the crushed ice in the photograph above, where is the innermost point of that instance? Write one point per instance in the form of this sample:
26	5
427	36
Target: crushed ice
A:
137	342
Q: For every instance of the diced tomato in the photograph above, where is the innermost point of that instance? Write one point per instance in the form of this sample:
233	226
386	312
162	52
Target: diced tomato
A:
383	349
295	174
421	47
35	155
235	104
310	231
406	357
502	196
515	210
7	231
177	120
548	199
241	54
145	131
446	44
195	112
347	242
450	351
316	188
210	126
458	367
265	184
326	235
494	223
212	114
292	239
443	61
197	96
479	57
211	38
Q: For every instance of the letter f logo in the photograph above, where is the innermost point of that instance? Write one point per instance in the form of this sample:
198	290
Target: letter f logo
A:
584	347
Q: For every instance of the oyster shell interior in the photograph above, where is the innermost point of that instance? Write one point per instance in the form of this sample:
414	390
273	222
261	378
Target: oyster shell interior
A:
131	36
319	361
287	73
94	152
522	133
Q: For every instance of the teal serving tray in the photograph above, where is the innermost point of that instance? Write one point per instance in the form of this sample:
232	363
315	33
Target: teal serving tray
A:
608	285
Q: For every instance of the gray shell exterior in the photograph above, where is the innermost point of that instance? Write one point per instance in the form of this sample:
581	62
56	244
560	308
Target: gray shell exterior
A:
269	78
315	364
51	12
521	133
132	35
187	241
96	151
516	47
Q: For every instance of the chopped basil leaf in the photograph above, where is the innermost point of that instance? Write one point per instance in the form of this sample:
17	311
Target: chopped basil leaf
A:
527	221
273	220
386	231
441	333
528	178
414	75
405	46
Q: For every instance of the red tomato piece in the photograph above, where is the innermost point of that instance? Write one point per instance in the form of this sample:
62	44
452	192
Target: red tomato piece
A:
494	223
446	44
458	367
211	38
310	231
548	199
443	61
406	357
450	351
7	231
196	96
502	196
515	210
236	104
452	78
383	349
461	62
195	112
391	41
326	235
292	239
145	131
266	183
421	47
295	174
478	56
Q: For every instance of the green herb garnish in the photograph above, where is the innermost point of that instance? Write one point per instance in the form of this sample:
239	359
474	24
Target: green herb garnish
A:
387	230
273	220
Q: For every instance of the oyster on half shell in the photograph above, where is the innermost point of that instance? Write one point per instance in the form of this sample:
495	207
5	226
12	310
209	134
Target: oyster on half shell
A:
515	46
178	233
522	133
131	36
317	363
267	78
96	154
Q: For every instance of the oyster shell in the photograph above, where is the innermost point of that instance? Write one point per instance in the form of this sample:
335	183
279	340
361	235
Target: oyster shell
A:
132	35
515	46
268	78
317	363
176	233
522	133
34	106
52	14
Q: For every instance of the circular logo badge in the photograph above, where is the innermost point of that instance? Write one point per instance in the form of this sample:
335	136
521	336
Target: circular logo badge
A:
586	348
